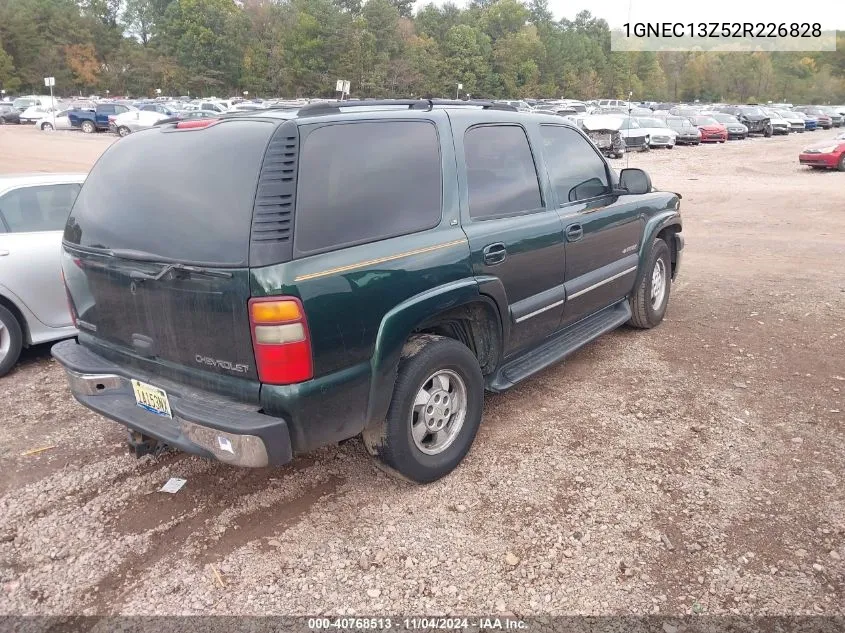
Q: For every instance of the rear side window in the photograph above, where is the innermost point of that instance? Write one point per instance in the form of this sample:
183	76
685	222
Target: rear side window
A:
107	109
501	176
575	169
38	208
155	193
362	182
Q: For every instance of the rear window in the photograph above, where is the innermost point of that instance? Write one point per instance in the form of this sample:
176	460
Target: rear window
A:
362	182
155	191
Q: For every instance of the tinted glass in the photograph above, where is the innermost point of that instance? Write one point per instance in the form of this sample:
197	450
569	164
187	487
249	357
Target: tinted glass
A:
362	182
705	120
575	169
40	208
119	109
150	193
106	109
501	176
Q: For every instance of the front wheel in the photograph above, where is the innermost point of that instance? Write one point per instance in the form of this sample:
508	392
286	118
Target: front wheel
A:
841	165
434	413
88	127
123	131
46	127
768	132
11	340
648	304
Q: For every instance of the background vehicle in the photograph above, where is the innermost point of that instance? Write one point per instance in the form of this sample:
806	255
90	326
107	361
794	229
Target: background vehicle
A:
825	155
811	123
49	122
834	114
8	114
736	130
822	118
752	117
688	134
91	121
478	280
35	113
605	131
33	303
711	130
136	120
795	120
778	123
659	134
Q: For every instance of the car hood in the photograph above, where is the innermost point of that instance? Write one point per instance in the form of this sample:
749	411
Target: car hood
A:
815	147
603	122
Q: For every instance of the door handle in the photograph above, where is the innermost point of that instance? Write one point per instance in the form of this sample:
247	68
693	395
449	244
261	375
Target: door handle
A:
3	253
574	232
495	253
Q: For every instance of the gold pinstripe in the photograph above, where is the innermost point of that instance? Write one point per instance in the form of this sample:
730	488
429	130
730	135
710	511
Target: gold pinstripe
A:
380	260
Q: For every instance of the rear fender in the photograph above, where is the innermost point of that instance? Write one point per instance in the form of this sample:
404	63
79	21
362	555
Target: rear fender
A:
395	328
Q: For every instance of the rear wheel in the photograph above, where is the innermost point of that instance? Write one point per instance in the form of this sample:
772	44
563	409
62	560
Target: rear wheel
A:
46	127
434	413
11	341
648	305
88	127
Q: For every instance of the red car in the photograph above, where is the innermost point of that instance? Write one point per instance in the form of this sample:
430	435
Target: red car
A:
711	130
825	155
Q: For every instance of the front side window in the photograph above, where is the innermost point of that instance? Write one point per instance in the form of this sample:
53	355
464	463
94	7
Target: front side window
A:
363	182
577	172
501	175
40	208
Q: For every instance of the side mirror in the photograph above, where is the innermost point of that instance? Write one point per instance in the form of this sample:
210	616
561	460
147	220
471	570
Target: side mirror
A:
634	181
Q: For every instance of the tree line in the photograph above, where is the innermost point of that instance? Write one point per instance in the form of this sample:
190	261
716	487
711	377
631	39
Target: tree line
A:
295	48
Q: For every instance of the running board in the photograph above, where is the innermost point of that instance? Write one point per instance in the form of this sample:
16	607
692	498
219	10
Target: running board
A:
559	346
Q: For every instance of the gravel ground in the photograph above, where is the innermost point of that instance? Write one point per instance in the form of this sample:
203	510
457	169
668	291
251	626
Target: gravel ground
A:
693	468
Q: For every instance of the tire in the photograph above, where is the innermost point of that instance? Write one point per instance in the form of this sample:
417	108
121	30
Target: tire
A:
618	155
645	313
88	127
841	165
11	340
2	121
392	441
670	147
46	127
123	131
768	132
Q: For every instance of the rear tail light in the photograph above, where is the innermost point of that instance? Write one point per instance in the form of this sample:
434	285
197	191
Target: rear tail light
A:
280	340
195	123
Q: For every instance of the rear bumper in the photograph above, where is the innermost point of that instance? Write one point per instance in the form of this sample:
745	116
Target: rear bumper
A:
203	423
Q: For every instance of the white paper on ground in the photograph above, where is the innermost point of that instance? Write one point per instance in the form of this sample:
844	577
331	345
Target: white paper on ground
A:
173	485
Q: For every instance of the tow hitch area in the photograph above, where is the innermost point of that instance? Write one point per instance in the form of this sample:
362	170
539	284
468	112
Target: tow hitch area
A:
142	444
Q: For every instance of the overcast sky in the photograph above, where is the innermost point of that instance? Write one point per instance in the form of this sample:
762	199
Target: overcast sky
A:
830	13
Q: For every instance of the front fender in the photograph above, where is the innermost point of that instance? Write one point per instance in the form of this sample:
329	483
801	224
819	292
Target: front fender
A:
396	327
669	216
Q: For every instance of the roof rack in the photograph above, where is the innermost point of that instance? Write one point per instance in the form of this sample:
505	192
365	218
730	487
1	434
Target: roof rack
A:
337	107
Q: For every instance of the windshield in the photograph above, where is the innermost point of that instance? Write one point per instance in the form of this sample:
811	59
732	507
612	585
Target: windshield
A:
679	123
644	122
705	120
23	103
726	118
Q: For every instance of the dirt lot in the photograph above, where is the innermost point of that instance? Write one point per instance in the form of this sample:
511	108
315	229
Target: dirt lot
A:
694	468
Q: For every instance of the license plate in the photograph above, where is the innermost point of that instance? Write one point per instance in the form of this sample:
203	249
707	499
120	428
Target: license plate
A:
151	398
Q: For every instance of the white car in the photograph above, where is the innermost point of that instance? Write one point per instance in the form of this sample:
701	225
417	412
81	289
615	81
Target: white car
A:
659	134
136	120
48	122
33	304
35	113
796	121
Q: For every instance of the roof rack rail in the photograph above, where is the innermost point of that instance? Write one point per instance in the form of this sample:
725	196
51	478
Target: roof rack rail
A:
337	107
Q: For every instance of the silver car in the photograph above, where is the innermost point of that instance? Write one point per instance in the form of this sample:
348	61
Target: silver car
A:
33	303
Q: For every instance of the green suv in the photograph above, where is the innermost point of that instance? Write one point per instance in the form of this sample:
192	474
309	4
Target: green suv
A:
252	287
